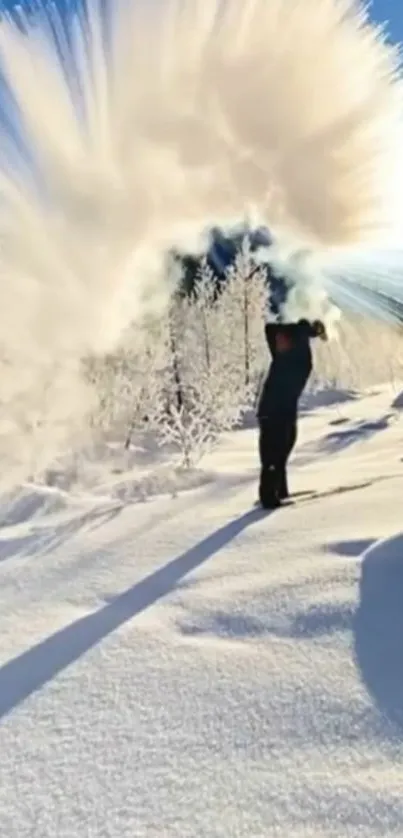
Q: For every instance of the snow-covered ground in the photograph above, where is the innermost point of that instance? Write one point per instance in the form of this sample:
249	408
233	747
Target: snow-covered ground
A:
189	667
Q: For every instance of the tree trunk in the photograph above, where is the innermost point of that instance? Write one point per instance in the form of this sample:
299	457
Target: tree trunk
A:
179	395
246	330
206	342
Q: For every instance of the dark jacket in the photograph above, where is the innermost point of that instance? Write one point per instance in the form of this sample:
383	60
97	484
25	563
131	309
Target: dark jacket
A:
289	370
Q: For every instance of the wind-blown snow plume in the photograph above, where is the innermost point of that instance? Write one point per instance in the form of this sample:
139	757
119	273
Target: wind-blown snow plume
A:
133	126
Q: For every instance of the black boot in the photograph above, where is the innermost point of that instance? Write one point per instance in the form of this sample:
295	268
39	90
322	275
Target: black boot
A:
269	489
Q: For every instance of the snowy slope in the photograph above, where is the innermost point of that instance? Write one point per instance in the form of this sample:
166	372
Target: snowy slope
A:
191	667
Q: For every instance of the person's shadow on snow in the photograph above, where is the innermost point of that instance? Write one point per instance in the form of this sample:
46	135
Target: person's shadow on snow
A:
29	671
378	626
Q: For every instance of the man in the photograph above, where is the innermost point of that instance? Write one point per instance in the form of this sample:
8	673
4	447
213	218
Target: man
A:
291	366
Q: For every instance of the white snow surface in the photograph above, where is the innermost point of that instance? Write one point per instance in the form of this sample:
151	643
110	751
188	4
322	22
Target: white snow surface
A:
190	667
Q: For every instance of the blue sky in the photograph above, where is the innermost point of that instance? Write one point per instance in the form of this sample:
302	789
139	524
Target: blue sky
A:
391	11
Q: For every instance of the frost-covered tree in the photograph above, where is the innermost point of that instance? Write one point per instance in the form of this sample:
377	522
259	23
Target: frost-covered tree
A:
213	351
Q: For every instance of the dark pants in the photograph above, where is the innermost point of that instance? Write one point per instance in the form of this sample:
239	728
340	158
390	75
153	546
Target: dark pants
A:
278	434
